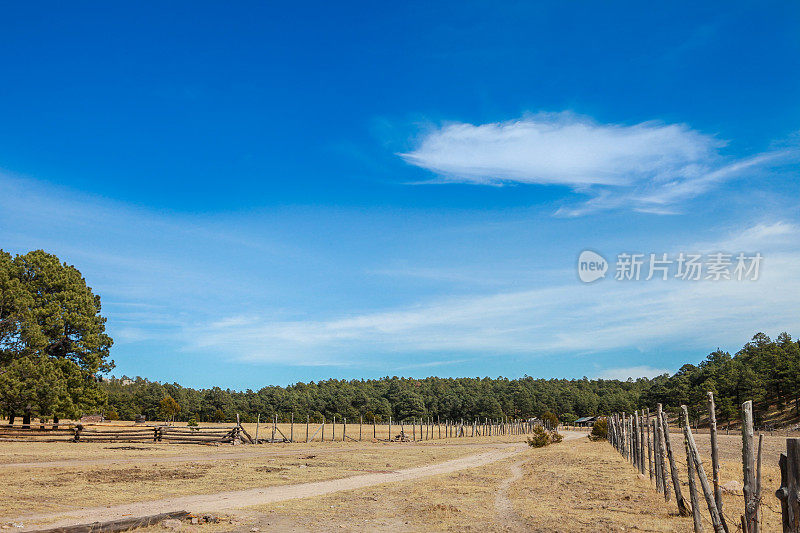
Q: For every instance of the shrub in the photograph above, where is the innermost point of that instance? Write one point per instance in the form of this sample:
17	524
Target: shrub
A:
192	422
111	415
599	429
539	439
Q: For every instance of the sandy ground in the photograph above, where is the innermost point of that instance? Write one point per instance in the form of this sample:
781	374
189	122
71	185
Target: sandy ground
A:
223	501
458	485
503	505
575	486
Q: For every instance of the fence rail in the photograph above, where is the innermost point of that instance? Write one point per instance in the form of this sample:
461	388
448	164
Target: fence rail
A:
333	430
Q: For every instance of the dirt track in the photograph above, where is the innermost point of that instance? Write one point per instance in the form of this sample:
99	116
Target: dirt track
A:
502	503
225	501
216	456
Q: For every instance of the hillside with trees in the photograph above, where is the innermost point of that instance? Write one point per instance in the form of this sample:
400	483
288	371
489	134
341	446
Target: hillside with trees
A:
54	352
765	371
400	398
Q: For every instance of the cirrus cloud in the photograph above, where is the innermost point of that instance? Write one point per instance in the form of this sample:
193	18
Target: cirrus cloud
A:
647	167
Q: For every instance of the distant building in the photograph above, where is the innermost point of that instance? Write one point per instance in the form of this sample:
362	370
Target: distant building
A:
126	381
586	421
91	419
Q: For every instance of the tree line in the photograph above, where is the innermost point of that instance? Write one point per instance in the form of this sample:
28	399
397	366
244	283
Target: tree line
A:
765	371
54	352
379	399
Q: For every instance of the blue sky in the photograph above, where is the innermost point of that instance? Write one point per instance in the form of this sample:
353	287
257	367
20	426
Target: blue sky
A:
266	193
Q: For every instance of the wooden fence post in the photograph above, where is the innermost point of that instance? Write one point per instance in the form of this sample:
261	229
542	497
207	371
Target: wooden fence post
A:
637	441
624	424
640	442
750	488
657	456
789	493
291	429
642	465
716	521
258	419
649	448
638	428
308	421
662	450
712	428
697	519
683	510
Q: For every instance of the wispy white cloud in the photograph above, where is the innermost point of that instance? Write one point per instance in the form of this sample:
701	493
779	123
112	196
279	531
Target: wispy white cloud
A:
560	148
570	318
633	372
775	235
179	280
649	167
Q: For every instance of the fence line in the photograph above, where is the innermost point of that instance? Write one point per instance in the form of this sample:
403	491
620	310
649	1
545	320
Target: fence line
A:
421	429
629	435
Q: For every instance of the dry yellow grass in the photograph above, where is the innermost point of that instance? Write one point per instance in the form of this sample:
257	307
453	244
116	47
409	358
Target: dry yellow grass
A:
577	485
573	486
195	470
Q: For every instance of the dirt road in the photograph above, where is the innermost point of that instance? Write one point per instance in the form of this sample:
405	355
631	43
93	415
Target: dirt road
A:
217	455
226	501
505	510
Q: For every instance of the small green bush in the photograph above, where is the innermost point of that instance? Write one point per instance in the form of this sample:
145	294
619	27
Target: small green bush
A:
539	439
192	422
599	429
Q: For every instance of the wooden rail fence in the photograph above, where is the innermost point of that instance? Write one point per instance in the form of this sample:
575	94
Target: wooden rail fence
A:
406	430
644	440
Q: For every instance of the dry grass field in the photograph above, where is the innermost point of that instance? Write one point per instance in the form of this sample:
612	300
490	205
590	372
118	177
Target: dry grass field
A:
576	485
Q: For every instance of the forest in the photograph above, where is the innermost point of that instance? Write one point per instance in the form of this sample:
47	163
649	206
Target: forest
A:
400	398
55	356
764	370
